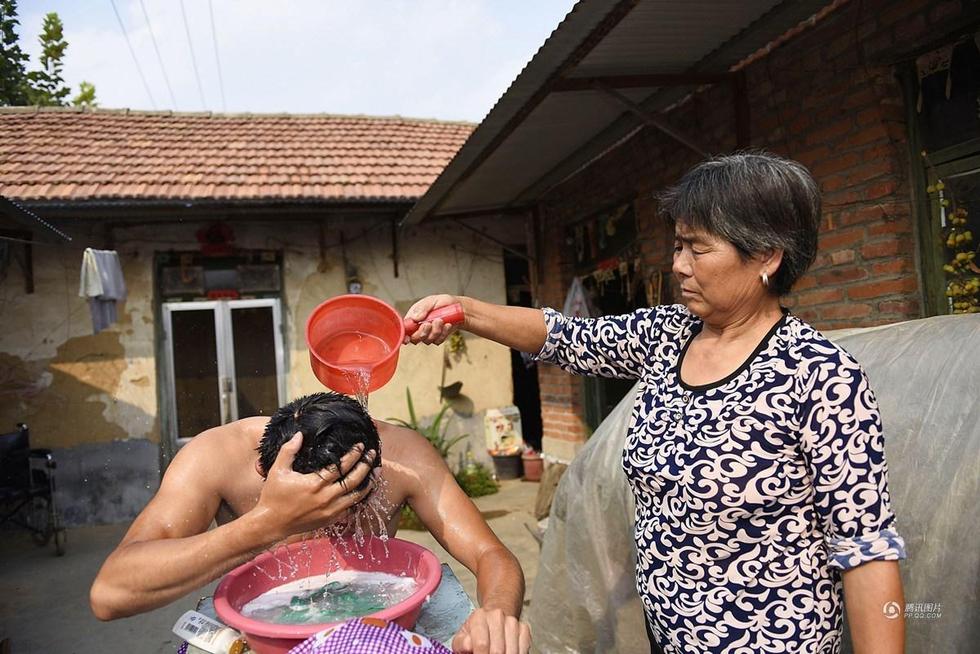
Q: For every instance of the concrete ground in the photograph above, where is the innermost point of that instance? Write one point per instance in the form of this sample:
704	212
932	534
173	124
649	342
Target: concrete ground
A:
44	598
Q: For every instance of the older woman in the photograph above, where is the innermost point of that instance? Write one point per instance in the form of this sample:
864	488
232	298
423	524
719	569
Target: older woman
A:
755	450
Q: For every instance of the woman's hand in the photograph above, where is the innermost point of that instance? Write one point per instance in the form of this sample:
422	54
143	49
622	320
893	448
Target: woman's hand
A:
292	503
436	331
521	328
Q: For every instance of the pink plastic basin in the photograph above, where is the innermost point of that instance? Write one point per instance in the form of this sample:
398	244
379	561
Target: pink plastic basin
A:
248	581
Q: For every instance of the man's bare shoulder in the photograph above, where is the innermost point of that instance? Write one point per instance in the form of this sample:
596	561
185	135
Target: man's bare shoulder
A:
399	442
409	461
222	448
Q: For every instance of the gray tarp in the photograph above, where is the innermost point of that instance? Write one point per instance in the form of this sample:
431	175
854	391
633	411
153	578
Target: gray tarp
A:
926	374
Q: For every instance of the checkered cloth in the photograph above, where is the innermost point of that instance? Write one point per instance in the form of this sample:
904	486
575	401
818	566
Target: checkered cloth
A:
368	636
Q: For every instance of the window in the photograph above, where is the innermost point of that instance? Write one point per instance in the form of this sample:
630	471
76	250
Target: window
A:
943	91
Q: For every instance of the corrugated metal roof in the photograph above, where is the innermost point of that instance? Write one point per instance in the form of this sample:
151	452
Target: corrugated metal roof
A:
666	36
535	136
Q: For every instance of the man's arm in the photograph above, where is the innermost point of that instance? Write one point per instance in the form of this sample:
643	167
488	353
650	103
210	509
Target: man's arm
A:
875	607
456	523
169	552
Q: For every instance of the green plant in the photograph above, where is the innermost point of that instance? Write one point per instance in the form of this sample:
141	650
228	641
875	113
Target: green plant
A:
410	520
434	432
476	480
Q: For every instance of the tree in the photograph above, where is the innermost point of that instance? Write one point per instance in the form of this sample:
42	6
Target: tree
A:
86	95
48	87
13	77
43	87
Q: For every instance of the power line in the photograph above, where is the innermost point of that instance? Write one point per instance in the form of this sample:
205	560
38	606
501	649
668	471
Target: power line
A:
190	44
217	61
132	52
163	69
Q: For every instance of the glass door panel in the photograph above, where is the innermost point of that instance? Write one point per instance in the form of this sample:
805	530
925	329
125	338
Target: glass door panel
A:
256	376
225	361
196	377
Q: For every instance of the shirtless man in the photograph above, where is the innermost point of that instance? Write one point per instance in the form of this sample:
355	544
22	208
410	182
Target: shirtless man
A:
243	476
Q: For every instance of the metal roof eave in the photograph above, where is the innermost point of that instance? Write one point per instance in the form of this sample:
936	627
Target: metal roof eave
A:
585	18
497	126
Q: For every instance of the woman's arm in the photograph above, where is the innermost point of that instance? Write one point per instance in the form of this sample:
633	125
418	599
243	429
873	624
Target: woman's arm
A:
520	328
875	608
610	346
843	442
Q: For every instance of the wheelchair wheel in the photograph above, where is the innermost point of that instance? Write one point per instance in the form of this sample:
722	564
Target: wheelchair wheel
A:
39	520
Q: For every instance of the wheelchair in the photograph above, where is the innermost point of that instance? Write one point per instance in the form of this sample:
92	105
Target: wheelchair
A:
27	496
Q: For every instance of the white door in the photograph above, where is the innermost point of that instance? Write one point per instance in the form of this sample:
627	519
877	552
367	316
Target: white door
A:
224	361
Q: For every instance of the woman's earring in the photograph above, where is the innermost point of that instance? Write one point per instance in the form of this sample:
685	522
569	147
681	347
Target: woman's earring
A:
765	279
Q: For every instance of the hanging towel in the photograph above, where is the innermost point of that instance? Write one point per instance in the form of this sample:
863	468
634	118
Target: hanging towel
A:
103	284
577	301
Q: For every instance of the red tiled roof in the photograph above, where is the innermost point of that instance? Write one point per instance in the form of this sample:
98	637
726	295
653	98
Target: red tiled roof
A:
84	156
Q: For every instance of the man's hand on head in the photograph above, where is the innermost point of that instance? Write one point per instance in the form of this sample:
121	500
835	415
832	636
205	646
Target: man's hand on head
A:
292	503
489	631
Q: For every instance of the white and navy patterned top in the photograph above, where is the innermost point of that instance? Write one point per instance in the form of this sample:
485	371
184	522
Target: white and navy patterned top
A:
752	493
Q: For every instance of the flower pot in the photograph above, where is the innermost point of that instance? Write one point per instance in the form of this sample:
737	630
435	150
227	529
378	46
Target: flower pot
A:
533	466
507	466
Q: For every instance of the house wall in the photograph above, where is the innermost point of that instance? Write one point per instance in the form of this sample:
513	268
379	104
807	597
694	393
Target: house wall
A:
819	98
94	398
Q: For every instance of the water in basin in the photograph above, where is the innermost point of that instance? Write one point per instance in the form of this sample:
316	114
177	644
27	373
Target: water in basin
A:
333	597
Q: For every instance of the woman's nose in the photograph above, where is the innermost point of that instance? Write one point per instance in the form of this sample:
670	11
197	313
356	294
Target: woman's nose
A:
681	266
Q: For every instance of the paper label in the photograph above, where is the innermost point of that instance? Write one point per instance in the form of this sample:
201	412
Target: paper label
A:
197	628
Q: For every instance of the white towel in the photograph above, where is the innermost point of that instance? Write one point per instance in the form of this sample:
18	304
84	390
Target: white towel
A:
103	284
90	284
577	301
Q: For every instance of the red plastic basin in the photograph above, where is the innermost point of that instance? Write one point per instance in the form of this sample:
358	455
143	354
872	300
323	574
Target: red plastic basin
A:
354	335
308	558
351	333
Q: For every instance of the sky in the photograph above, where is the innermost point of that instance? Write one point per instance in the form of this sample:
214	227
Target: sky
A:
445	59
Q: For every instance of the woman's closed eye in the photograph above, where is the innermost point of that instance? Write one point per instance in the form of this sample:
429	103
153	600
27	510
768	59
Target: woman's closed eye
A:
679	247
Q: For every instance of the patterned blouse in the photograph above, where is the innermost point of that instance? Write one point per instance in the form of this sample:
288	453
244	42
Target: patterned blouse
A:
752	493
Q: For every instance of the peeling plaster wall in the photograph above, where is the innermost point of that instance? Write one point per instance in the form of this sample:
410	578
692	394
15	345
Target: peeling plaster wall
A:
94	398
428	264
70	386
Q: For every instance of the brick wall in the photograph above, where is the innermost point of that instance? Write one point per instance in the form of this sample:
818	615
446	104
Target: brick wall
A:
820	98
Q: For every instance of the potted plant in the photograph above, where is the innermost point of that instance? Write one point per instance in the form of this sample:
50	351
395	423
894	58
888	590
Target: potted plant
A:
533	464
507	462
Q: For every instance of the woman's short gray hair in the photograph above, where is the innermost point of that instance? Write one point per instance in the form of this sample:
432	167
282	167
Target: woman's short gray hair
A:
758	202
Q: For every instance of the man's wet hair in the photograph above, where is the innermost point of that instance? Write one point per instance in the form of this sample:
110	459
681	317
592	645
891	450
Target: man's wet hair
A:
331	423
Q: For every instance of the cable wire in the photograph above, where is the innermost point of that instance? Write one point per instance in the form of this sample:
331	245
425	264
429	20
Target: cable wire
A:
163	69
190	45
217	60
132	52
